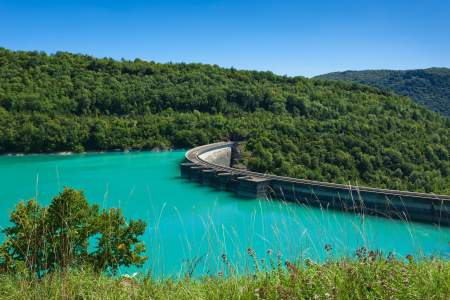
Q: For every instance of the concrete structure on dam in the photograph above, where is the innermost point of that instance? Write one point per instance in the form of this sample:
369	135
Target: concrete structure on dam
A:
210	165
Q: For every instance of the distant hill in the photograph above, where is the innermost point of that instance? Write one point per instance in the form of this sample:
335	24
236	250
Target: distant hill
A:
429	87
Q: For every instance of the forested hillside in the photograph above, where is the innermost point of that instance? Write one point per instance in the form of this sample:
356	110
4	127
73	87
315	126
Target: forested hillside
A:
429	87
293	126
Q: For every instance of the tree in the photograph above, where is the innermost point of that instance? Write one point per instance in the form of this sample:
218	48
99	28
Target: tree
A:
24	245
59	237
118	244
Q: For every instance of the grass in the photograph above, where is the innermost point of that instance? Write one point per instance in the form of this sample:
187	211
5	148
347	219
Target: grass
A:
367	277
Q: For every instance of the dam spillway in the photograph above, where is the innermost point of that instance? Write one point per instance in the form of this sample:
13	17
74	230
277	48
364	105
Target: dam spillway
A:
210	165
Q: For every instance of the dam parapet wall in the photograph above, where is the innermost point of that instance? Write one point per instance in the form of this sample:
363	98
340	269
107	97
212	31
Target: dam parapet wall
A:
220	156
210	165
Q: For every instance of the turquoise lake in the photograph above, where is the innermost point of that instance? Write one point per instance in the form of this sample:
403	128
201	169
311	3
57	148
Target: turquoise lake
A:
189	226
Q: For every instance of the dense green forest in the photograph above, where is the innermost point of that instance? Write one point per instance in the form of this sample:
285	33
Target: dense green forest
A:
293	126
429	87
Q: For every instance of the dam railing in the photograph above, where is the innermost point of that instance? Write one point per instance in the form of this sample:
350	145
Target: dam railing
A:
210	165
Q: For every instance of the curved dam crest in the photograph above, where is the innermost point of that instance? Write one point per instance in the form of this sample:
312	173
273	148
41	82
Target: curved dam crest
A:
210	165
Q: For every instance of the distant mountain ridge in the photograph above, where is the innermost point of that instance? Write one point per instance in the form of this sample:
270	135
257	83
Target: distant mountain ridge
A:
429	87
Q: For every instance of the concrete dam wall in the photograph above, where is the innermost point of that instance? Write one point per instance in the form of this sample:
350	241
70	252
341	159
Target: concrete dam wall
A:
210	165
220	157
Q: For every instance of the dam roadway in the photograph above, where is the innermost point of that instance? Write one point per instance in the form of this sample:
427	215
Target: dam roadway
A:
210	165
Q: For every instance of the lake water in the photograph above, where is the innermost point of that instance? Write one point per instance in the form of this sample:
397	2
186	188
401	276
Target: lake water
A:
190	226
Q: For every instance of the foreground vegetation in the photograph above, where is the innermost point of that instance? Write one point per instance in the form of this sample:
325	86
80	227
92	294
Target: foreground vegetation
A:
72	250
429	87
313	129
67	234
363	278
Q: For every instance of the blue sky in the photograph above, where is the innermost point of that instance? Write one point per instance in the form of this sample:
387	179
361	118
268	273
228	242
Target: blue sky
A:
287	37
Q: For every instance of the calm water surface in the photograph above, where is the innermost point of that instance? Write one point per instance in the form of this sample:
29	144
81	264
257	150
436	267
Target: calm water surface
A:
190	226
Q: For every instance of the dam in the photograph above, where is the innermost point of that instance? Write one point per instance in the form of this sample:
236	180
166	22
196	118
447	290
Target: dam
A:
211	165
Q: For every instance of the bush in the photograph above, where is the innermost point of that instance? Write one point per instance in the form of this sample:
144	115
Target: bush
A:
59	237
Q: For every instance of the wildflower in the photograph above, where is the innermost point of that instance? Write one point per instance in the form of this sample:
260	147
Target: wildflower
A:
361	252
269	251
250	252
410	258
291	267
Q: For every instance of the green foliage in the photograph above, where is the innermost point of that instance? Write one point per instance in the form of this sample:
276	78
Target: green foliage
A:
293	126
349	151
70	222
429	87
118	244
57	238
